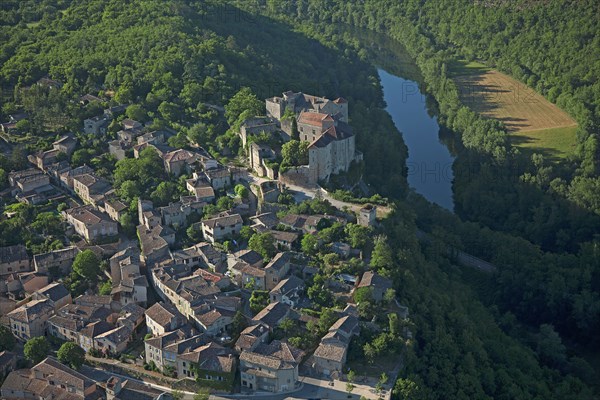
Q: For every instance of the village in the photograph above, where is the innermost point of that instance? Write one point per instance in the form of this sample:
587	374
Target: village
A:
253	282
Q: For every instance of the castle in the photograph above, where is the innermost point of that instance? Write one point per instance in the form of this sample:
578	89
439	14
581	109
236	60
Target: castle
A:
324	124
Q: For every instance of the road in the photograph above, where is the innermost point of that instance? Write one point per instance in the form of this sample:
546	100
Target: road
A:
466	259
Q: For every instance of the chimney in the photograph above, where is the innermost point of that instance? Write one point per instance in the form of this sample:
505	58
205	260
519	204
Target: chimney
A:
113	387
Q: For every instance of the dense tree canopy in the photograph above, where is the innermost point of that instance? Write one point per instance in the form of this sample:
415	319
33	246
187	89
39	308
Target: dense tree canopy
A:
71	354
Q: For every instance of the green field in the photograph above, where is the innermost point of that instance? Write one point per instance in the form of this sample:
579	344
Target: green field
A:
555	143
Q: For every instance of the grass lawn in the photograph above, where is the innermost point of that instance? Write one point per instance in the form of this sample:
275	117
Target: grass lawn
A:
382	364
463	67
553	143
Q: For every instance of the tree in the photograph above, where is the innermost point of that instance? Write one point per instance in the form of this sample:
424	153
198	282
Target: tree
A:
407	389
71	354
550	347
246	232
7	340
351	376
263	244
170	111
295	134
370	353
164	193
105	288
224	203
81	156
287	325
295	152
194	233
36	349
128	224
23	125
382	254
241	191
363	295
349	387
358	236
259	299
177	394
243	103
87	266
129	190
389	296
136	112
326	319
198	133
310	244
3	179
394	324
239	323
203	395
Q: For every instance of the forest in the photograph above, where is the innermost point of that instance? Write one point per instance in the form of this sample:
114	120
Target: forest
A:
170	63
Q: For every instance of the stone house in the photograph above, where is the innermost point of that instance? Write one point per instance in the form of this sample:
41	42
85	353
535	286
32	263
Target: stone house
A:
330	355
288	291
219	178
155	243
258	157
65	144
14	259
56	259
129	286
217	229
251	337
121	389
49	379
163	350
28	180
277	269
285	240
118	148
377	283
332	152
29	320
210	362
56	293
44	159
270	367
91	223
66	177
272	315
162	318
96	125
113	341
115	208
179	161
90	188
254	276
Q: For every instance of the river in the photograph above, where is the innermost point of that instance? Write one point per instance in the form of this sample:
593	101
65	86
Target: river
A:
429	161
